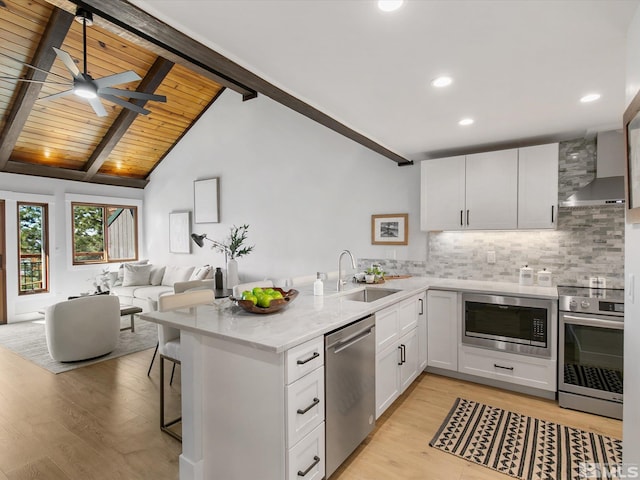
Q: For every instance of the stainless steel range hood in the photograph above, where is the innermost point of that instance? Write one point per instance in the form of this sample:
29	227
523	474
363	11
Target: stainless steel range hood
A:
608	186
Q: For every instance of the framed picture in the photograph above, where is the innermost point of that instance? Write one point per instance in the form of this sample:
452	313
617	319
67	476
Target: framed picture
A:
390	229
205	200
631	121
180	232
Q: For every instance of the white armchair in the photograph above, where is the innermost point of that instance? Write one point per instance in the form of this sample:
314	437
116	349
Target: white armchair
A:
82	328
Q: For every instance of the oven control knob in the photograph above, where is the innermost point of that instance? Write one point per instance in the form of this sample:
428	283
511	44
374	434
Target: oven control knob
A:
584	304
573	304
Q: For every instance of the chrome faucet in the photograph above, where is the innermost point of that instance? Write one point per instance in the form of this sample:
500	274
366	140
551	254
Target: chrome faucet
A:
341	282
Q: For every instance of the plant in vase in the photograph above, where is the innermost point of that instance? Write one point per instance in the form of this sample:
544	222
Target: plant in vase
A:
234	248
374	274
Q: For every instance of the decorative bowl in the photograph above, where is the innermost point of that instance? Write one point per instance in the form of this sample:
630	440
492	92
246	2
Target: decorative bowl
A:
274	306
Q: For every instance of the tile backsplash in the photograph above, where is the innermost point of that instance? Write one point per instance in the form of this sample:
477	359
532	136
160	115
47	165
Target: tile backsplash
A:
589	241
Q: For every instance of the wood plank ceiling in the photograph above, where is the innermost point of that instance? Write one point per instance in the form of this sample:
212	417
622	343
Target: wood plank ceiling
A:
63	137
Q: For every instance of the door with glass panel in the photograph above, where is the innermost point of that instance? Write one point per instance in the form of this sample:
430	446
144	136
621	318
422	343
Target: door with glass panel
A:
33	250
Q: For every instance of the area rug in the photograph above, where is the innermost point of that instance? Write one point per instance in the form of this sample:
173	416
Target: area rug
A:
525	447
27	339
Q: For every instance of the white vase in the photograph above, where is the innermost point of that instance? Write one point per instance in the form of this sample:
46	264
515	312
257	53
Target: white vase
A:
232	273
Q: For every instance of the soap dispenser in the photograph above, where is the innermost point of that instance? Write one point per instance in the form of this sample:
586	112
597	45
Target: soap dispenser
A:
318	287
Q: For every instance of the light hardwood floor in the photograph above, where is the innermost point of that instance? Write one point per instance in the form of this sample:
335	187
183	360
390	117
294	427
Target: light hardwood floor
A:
101	422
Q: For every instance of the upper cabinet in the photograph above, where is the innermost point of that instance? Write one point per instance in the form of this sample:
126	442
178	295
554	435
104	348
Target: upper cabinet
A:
502	190
538	186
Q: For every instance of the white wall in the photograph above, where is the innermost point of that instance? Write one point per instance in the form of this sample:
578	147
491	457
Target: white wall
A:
631	424
306	191
65	279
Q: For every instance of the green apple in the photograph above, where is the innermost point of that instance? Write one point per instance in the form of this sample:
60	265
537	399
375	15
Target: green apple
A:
257	290
251	297
276	294
246	293
264	300
269	291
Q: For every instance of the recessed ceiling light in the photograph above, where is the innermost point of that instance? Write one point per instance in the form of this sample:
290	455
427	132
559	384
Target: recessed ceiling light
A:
591	97
441	82
466	121
389	5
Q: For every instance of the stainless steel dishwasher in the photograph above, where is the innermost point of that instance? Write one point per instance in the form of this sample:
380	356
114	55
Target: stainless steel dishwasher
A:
350	403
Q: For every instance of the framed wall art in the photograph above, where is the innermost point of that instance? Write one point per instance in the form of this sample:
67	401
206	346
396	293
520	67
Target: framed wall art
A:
205	200
180	232
390	229
631	121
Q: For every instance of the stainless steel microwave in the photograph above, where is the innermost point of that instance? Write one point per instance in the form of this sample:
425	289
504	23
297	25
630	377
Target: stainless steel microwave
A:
510	324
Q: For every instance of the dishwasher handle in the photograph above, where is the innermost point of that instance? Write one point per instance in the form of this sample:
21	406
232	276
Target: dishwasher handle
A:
351	340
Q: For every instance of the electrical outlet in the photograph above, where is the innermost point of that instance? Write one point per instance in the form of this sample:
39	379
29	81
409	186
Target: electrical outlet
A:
491	256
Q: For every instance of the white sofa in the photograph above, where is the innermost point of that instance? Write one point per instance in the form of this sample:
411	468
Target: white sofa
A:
141	284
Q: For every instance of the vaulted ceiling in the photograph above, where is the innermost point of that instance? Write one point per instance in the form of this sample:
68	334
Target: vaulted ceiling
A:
63	137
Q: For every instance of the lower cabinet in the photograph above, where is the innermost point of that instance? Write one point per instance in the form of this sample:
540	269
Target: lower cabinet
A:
304	410
443	319
397	350
508	367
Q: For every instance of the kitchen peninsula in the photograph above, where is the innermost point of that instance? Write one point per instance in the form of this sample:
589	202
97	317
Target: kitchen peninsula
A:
241	374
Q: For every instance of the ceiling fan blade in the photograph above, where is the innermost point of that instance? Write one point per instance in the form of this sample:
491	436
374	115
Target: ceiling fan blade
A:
97	106
32	66
57	95
28	80
133	94
117	78
68	62
124	103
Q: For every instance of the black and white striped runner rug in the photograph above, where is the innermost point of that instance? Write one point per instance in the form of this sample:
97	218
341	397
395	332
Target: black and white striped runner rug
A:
525	447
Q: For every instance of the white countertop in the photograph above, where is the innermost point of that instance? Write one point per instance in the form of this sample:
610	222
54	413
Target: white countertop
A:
309	316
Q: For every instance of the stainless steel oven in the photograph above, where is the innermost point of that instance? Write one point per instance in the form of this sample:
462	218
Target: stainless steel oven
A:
591	348
510	324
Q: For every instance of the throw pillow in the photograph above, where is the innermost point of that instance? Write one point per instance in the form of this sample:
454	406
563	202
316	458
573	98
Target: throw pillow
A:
136	275
173	274
120	278
156	275
200	273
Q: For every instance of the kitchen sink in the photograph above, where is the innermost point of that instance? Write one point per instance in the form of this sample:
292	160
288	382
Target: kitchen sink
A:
369	294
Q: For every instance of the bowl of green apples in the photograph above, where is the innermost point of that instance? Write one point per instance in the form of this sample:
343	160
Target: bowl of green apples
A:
265	300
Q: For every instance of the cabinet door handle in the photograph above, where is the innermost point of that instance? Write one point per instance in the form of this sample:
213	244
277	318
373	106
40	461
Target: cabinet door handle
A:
421	306
461	213
400	348
316	460
315	402
403	354
495	365
302	362
467	218
552	211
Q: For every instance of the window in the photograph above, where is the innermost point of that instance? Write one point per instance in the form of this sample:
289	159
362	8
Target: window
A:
33	254
104	233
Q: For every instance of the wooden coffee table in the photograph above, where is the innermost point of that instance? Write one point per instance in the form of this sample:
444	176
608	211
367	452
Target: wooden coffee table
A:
130	310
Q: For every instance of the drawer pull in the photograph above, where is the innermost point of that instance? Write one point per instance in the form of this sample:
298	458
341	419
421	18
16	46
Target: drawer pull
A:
316	460
315	402
314	356
495	365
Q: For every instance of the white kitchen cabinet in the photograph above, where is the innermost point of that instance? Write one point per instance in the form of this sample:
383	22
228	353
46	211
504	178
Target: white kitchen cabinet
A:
397	350
443	321
492	190
422	332
538	186
442	193
523	370
477	192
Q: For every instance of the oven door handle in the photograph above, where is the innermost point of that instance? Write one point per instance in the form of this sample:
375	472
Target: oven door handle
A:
592	322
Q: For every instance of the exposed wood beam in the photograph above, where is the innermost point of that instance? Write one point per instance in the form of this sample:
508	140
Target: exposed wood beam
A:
76	175
149	84
143	25
27	92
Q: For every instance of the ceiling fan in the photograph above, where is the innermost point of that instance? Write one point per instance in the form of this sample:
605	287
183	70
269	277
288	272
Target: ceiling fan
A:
90	89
